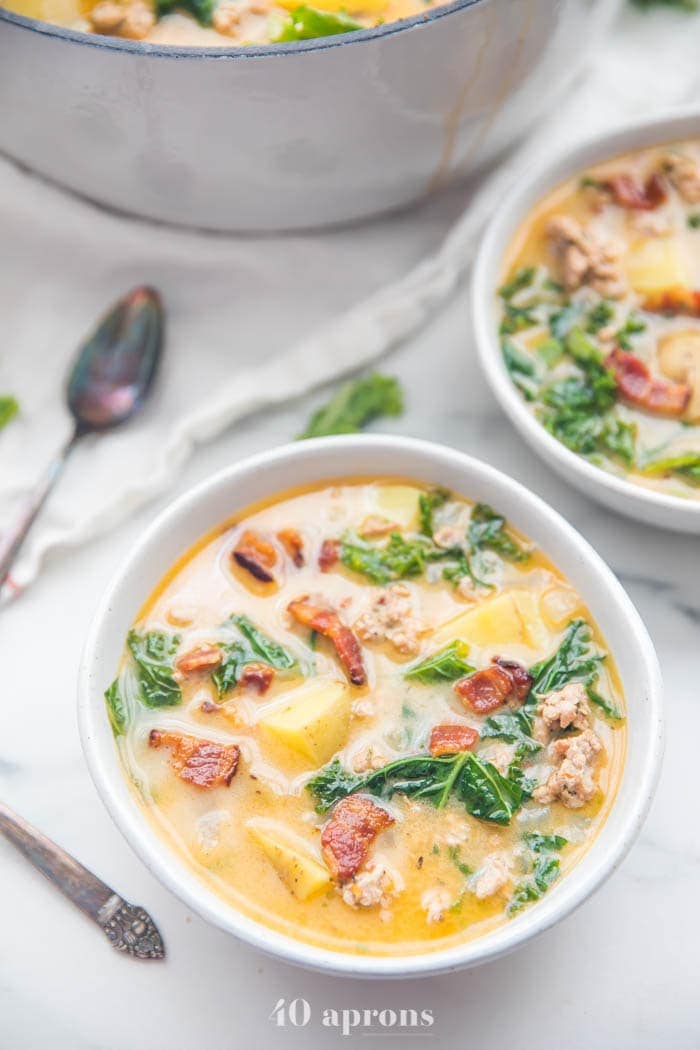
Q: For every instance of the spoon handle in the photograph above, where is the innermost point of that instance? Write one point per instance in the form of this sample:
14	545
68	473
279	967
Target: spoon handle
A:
128	927
11	542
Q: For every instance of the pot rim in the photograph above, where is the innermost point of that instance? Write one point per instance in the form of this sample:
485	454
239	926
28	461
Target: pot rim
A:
140	47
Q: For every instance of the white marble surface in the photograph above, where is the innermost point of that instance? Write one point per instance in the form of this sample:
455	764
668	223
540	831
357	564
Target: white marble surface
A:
622	972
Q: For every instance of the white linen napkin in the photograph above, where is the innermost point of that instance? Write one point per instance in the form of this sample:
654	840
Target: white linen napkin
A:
252	322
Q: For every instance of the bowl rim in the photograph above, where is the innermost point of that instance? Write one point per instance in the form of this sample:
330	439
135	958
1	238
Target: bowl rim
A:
194	52
158	855
538	179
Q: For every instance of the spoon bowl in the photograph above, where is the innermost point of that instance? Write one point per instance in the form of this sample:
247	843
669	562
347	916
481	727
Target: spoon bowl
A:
114	371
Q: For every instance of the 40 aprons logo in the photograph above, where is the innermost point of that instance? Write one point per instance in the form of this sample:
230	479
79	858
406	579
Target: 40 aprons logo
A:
297	1013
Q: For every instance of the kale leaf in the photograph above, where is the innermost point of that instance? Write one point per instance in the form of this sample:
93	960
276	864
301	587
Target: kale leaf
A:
521	369
202	10
262	646
485	793
331	784
428	503
256	646
515	727
447	665
397	559
539	843
487	530
357	403
576	660
686	465
153	654
308	23
545	869
523	278
116	708
9	407
544	873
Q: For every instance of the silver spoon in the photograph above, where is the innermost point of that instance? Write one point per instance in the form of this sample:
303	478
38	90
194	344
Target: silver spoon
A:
129	928
111	378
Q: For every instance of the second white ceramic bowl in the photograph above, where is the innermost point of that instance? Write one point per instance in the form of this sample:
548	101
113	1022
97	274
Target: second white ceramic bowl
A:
654	508
332	458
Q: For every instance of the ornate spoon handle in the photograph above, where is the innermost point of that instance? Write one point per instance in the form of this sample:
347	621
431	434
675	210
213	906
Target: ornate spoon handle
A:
128	927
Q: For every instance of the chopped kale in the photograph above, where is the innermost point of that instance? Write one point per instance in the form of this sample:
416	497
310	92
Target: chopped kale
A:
428	503
599	316
551	351
254	646
576	660
522	279
632	326
262	646
487	531
686	466
544	843
484	792
309	23
516	319
154	654
356	404
396	560
116	708
9	407
201	10
521	369
544	873
447	665
453	853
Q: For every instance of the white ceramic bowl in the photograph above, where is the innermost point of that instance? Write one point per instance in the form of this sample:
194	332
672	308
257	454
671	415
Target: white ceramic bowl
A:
654	508
331	458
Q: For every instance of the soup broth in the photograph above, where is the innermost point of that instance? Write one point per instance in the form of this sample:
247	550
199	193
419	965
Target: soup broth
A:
224	23
371	716
600	316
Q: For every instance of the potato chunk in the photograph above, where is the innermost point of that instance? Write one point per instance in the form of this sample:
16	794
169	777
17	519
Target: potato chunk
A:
313	720
302	874
510	618
399	503
657	263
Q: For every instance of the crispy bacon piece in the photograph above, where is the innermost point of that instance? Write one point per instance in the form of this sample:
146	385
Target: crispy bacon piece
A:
258	677
628	192
636	384
449	739
520	677
486	690
325	620
257	555
349	834
203	658
203	763
675	300
328	555
291	540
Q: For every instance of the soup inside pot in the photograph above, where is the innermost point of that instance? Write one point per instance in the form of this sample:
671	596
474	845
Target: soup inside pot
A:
371	715
599	316
225	23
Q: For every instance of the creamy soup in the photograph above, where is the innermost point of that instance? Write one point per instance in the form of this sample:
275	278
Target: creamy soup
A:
372	716
210	23
600	316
